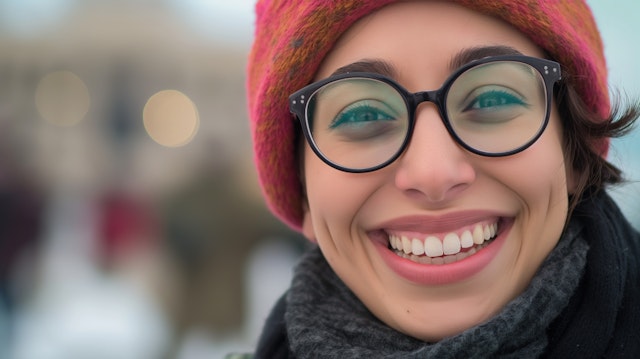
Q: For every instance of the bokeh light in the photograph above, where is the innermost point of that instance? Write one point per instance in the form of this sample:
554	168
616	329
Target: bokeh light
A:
62	98
171	118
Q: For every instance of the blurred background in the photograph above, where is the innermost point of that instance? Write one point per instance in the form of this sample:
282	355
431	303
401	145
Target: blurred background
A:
131	222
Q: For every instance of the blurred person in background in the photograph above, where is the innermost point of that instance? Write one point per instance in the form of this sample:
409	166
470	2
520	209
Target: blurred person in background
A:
21	212
449	161
209	244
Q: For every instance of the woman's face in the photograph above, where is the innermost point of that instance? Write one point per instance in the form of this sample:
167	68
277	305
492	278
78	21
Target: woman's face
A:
436	190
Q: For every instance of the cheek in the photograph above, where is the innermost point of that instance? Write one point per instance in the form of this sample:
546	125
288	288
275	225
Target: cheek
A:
537	179
332	197
335	200
538	175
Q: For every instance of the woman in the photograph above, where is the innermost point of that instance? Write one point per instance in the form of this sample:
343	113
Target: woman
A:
448	158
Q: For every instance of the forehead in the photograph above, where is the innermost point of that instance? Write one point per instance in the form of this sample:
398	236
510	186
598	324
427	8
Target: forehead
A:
421	38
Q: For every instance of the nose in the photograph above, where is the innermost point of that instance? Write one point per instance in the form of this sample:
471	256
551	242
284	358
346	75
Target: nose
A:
433	168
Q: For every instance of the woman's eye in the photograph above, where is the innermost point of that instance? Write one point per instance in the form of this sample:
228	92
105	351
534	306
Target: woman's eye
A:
494	100
359	115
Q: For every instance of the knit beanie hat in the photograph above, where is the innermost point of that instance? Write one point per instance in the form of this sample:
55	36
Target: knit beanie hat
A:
292	37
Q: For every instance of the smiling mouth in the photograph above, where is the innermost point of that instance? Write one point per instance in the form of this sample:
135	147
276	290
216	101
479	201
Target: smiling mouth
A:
448	248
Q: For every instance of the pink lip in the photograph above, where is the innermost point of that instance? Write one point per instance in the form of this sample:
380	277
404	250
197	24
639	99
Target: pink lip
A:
439	224
431	274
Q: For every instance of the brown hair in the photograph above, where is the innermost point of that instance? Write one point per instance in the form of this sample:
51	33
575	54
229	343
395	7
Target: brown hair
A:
582	127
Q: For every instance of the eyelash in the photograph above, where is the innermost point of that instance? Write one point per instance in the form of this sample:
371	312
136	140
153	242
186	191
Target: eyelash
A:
504	94
363	106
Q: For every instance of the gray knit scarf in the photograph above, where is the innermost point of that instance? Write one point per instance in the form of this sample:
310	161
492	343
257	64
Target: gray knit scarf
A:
326	320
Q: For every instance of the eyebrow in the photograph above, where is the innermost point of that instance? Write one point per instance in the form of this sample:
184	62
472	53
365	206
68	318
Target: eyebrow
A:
461	58
476	53
368	65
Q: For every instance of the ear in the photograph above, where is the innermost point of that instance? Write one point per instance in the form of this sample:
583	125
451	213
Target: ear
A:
307	224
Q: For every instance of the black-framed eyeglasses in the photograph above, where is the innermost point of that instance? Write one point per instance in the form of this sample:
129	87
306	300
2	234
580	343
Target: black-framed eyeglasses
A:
361	122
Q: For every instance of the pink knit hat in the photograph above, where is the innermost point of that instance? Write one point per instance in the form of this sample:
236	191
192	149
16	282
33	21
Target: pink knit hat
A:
293	36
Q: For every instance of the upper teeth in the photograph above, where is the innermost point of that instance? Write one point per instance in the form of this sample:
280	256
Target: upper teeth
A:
450	244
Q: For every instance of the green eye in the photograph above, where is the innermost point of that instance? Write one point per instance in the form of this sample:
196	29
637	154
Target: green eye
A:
359	115
367	121
494	100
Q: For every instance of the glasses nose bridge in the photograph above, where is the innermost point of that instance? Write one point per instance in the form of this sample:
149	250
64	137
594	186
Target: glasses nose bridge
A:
434	96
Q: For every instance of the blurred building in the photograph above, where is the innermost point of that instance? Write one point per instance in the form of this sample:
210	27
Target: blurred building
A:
132	127
110	58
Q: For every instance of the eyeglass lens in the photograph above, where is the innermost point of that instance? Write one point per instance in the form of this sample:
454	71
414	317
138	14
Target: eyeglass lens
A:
359	122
